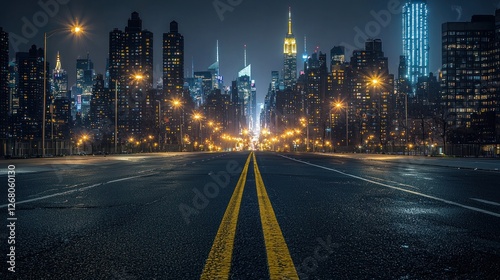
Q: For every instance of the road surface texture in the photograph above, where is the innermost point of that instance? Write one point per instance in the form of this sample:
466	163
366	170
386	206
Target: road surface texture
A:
250	215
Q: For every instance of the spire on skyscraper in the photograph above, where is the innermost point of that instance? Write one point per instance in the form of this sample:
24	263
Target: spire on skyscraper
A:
58	62
305	55
245	55
217	50
290	55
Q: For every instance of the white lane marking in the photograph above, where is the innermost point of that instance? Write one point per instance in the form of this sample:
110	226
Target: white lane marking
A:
77	190
400	189
394	182
486	201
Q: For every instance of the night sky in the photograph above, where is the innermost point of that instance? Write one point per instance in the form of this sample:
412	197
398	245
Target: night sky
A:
261	25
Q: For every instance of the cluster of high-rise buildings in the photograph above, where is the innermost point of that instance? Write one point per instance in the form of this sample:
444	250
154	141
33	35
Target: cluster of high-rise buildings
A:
122	110
345	102
351	102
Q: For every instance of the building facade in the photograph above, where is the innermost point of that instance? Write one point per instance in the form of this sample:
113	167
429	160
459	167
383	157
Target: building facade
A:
173	61
131	76
469	85
416	39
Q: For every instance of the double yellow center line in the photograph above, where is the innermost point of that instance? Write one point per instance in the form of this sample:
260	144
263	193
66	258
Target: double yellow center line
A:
218	264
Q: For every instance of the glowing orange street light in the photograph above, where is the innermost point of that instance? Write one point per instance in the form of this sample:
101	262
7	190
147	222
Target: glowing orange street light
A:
176	103
76	29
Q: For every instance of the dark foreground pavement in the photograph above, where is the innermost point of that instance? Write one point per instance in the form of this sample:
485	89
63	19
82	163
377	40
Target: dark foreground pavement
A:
158	217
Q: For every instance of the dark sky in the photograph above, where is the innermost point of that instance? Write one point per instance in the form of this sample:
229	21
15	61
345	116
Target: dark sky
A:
261	25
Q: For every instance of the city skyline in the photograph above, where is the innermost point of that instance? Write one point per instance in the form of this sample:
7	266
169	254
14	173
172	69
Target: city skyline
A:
265	56
237	139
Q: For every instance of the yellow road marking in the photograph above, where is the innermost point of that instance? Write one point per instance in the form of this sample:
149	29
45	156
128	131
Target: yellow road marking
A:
278	257
218	265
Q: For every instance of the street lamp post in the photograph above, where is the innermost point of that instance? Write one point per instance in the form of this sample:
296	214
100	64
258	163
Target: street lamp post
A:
116	114
199	117
339	105
46	35
178	104
375	83
159	123
406	122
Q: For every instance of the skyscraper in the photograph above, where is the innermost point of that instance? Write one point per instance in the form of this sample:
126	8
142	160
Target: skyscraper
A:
290	55
173	61
416	39
131	72
315	94
60	109
30	93
371	89
247	92
468	85
59	80
85	76
4	89
338	70
215	71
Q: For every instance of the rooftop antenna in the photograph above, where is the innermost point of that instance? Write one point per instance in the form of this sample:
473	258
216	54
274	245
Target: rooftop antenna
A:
305	55
245	55
218	65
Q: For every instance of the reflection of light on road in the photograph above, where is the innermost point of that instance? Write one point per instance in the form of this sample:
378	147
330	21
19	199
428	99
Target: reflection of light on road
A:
418	210
398	188
393	182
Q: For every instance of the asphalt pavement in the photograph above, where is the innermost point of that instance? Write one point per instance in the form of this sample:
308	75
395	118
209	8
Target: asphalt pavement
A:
250	215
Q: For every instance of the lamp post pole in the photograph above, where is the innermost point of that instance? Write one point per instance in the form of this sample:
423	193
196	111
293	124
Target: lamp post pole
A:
406	122
159	124
182	125
347	125
116	115
74	29
44	90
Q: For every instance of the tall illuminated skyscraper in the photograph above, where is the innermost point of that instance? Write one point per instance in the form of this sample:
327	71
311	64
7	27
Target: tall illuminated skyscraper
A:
173	61
290	55
130	55
416	39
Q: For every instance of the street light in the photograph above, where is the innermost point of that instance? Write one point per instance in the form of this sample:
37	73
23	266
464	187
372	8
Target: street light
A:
178	104
75	30
159	122
406	121
199	117
339	105
376	82
84	138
